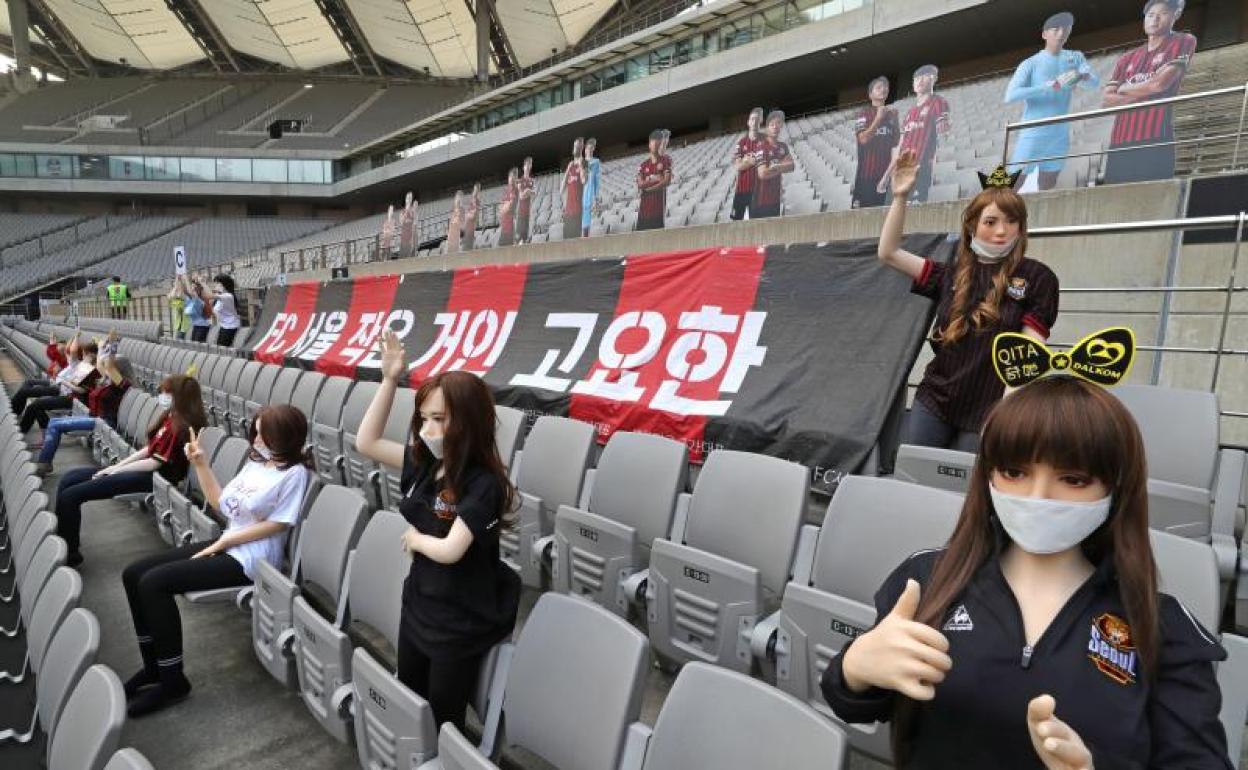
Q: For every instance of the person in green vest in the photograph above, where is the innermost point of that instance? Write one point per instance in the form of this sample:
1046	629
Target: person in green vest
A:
180	322
118	298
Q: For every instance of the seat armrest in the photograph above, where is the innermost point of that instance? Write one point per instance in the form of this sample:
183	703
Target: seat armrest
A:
1226	491
343	702
804	558
243	600
587	488
681	518
541	550
762	638
636	742
634	587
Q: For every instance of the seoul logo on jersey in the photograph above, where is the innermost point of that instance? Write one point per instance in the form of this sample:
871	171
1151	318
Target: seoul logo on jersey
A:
1112	650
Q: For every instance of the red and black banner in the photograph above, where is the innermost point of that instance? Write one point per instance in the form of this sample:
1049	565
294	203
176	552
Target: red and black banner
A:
796	351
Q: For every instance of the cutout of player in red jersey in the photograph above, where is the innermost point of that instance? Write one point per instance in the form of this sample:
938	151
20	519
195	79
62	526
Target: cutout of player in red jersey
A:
524	201
775	161
507	210
745	158
573	185
653	177
876	130
921	129
1155	70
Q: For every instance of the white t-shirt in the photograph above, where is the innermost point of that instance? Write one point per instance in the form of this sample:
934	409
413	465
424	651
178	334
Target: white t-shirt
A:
225	311
259	493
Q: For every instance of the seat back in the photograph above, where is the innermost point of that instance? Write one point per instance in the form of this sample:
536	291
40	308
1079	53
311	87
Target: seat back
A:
71	651
127	406
556	454
935	467
398	429
328	534
872	524
455	752
48	556
638	479
748	508
147	415
357	465
128	759
718	718
262	390
230	458
333	396
290	380
1188	571
58	597
210	439
208	374
589	662
131	427
90	724
508	432
229	383
375	592
1180	430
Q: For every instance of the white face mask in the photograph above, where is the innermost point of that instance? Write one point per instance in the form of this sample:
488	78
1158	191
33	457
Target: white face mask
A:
990	252
1041	526
433	442
262	449
164	400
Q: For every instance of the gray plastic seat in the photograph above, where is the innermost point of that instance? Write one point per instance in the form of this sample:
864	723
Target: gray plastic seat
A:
210	440
90	725
549	474
871	525
326	538
228	385
59	595
72	649
723	719
358	470
574	685
260	395
388	480
291	381
371	595
631	500
934	467
709	586
128	759
48	553
455	752
201	525
1188	571
327	431
239	395
29	577
509	432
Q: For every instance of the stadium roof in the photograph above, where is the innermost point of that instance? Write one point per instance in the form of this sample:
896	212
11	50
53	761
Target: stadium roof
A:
434	37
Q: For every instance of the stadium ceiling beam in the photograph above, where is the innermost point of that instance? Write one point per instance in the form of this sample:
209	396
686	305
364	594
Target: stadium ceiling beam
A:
55	65
343	22
500	46
65	47
205	33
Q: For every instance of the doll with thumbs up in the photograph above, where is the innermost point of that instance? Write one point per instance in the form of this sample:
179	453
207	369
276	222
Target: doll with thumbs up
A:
1037	636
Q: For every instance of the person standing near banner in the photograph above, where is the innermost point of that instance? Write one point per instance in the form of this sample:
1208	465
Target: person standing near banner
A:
455	223
926	121
225	309
1155	70
198	310
507	210
473	210
118	298
524	202
573	183
1045	83
590	176
653	177
775	161
459	599
179	323
745	159
875	133
989	287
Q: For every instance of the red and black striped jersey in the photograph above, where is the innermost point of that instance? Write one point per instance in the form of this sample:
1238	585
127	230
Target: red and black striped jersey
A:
653	202
1141	65
877	153
524	184
748	147
919	129
768	192
573	186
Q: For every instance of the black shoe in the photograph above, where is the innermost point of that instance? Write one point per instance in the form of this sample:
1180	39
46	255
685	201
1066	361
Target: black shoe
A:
156	699
73	559
140	681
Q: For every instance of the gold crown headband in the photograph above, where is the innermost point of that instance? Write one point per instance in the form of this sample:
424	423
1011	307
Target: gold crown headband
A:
1103	357
999	178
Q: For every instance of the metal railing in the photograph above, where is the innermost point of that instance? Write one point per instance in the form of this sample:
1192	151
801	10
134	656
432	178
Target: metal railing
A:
1103	112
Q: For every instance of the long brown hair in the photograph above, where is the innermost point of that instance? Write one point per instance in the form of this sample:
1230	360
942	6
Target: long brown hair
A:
1069	424
470	435
188	404
963	318
284	429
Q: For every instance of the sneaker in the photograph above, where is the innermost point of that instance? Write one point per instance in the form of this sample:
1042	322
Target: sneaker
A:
139	682
156	699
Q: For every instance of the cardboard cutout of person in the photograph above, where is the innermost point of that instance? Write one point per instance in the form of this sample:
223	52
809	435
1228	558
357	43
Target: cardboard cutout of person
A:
573	184
776	161
1155	70
471	212
387	234
1046	83
746	156
653	177
455	224
507	210
407	227
876	132
591	174
921	130
524	201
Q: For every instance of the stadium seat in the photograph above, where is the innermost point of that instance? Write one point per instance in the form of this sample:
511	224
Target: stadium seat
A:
90	725
455	752
398	428
358	470
59	595
602	546
509	433
326	538
717	718
946	469
228	384
48	553
326	429
710	585
871	526
72	649
368	607
128	759
206	525
210	440
260	395
290	380
548	473
238	396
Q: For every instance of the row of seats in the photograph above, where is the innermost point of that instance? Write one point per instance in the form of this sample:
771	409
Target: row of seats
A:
79	705
711	583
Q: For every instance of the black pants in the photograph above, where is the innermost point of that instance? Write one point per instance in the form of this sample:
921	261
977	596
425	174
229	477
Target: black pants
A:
225	337
199	333
32	389
77	486
1142	165
152	583
37	410
117	311
741	203
448	685
758	211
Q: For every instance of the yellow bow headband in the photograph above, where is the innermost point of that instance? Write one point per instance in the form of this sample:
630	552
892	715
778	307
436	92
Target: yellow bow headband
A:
1103	357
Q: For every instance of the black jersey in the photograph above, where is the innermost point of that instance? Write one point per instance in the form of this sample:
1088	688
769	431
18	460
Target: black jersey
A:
1084	659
